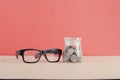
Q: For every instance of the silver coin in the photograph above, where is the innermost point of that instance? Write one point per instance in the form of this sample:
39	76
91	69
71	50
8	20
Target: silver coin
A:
68	55
74	58
66	58
70	51
67	48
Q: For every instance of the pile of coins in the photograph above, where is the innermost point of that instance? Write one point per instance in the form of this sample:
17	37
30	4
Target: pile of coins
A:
71	54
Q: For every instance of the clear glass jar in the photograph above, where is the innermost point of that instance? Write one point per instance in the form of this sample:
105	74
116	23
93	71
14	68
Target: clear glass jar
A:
72	51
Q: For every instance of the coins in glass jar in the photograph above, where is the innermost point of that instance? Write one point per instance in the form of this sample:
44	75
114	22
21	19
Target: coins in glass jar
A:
70	54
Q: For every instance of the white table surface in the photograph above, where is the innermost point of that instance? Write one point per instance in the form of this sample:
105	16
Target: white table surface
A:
91	67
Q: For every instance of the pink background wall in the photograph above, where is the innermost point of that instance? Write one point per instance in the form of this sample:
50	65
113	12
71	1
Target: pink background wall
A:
43	24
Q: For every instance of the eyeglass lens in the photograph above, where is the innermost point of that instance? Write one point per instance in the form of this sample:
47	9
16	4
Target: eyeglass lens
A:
52	56
29	55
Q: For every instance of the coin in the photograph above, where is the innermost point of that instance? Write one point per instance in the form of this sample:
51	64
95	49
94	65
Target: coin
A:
66	57
70	51
74	58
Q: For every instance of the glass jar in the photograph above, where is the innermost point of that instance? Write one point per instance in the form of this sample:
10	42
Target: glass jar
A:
72	50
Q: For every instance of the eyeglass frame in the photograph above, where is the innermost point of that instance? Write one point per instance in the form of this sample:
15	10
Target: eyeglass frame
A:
41	52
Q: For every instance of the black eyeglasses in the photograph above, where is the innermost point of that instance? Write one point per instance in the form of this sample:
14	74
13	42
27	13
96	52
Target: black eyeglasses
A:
34	55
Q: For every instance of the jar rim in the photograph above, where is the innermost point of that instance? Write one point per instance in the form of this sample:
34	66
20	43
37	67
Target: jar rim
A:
72	38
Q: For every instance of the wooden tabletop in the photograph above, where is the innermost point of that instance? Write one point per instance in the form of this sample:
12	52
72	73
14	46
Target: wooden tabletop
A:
91	67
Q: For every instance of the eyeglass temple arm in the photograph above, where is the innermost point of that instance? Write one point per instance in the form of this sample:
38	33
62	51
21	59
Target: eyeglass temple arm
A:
17	53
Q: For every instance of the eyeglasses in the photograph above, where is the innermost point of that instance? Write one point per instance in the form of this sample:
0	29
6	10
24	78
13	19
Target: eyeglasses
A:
34	55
